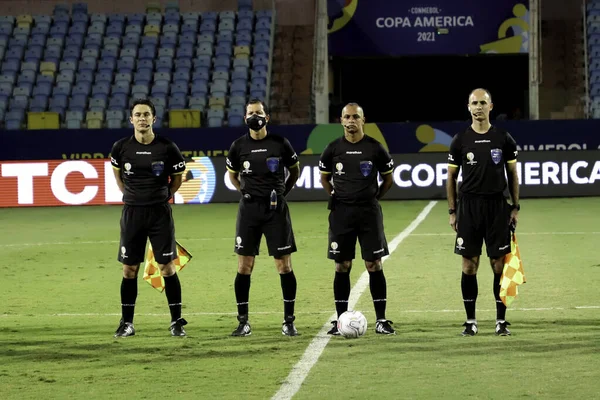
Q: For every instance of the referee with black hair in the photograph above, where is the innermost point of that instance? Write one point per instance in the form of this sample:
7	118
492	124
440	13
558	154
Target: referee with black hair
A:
148	169
481	213
256	163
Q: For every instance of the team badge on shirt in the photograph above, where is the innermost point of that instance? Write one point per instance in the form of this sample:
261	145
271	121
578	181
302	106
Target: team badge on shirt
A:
366	167
273	164
496	155
158	167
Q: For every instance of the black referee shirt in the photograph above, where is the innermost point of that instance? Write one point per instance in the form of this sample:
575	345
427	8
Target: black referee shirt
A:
482	158
261	163
354	167
145	169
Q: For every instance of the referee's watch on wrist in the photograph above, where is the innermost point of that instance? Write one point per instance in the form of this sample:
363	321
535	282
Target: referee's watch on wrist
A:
451	211
516	207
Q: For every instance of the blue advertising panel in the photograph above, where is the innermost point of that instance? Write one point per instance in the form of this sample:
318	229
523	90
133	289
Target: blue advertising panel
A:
411	27
397	138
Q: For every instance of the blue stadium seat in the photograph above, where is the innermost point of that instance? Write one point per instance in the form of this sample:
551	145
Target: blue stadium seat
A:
245	14
189	28
72	54
202	62
78	102
107	65
238	88
260	49
172	17
39	103
109	53
125	77
121	88
136	19
42	89
183	64
222	63
188	39
66	76
197	102
190	17
235	120
243	39
117	102
146	53
179	89
82	88
58	101
237	100
138	91
208	27
114	30
142	77
87	66
93	41
168	41
244	26
177	102
104	77
164	64
199	88
97	105
244	5
206	38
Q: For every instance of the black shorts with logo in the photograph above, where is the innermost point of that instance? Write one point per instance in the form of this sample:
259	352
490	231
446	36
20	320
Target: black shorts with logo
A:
348	222
141	222
479	219
255	218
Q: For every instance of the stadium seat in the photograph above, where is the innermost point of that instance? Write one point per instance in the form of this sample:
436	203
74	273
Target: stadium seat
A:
43	120
185	118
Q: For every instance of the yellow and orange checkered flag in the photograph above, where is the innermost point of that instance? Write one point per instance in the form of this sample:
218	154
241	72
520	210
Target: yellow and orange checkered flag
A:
152	272
512	274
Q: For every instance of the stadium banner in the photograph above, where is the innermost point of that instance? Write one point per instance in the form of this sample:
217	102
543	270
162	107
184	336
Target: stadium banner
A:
367	28
397	138
416	176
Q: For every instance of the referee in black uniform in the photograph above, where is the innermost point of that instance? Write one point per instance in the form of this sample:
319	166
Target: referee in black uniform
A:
484	152
349	168
148	169
256	163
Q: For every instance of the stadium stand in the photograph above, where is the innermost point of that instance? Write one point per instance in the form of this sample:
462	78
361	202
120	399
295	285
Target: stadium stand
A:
593	47
73	69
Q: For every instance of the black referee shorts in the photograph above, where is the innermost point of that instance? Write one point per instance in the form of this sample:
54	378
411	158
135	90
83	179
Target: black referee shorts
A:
141	222
350	222
254	219
482	219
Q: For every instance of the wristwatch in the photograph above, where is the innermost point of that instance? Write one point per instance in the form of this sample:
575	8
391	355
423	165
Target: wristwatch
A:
451	211
516	207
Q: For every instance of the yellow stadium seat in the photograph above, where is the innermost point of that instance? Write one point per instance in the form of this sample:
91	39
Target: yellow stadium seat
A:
48	68
152	30
241	51
94	119
216	101
184	119
24	21
153	6
43	120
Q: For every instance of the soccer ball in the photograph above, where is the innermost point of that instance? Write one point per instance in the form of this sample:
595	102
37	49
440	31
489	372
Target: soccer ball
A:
352	324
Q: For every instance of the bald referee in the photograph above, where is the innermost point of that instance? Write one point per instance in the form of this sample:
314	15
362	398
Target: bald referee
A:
481	213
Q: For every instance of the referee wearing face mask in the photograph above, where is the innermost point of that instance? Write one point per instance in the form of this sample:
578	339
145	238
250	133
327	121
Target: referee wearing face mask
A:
256	163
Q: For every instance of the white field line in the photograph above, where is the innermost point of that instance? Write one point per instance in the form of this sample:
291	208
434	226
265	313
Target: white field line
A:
311	355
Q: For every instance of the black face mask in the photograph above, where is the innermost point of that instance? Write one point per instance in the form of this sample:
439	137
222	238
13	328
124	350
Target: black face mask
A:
256	122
